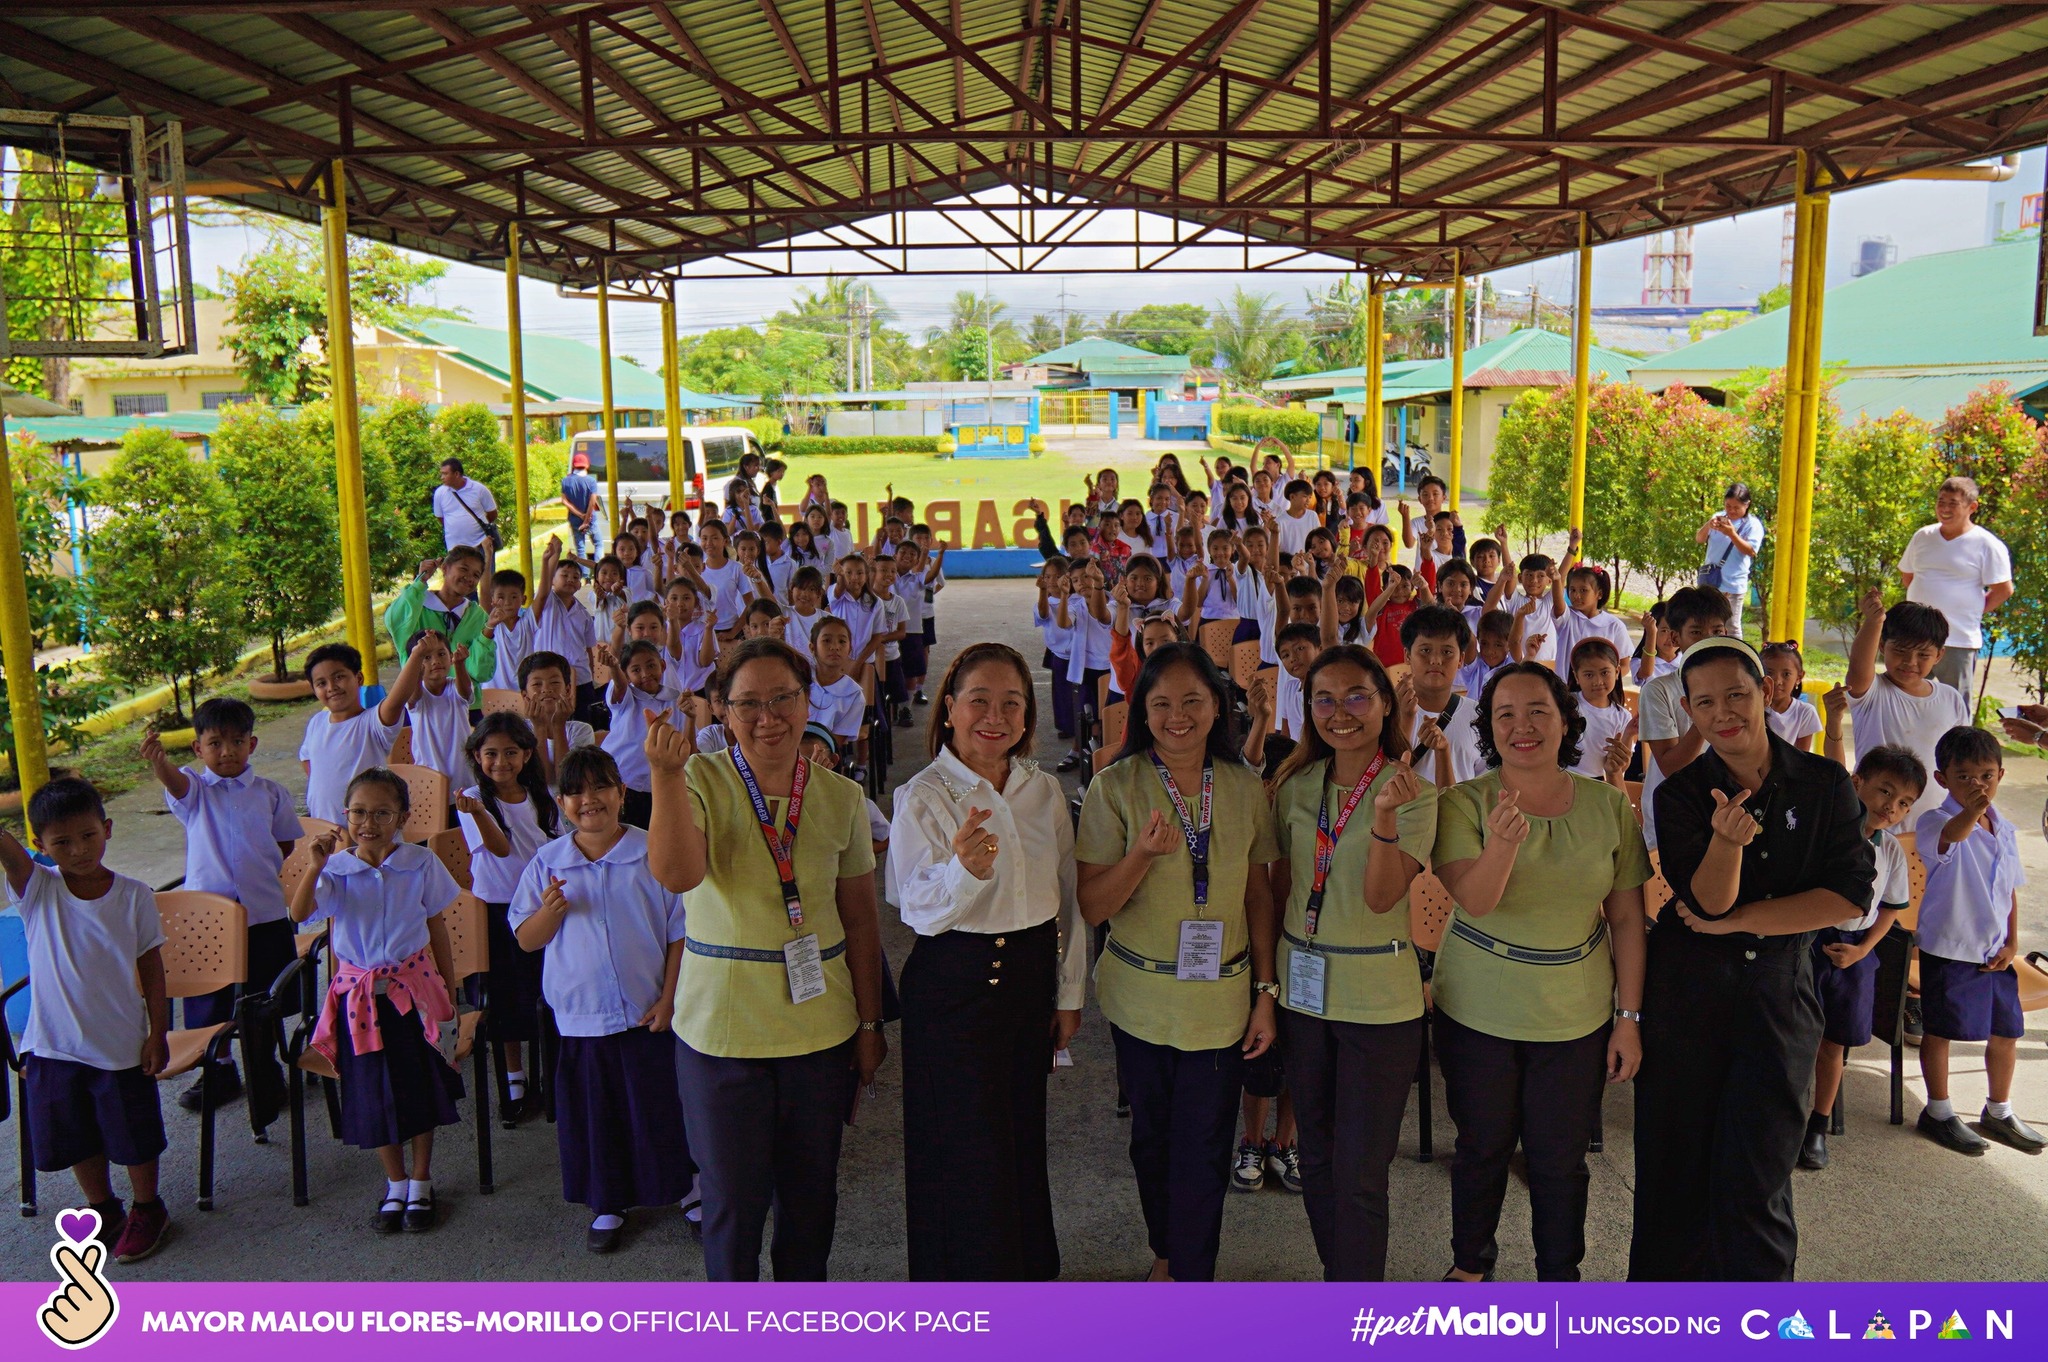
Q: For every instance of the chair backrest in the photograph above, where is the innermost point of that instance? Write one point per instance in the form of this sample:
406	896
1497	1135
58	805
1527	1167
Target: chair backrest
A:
1102	692
1635	797
401	748
1102	758
452	849
298	863
1244	663
1429	910
206	942
1916	880
428	790
1657	892
469	944
1215	638
496	699
1114	718
13	970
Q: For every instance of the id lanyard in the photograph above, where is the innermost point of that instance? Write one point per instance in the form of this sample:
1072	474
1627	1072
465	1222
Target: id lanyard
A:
1327	835
781	845
1196	833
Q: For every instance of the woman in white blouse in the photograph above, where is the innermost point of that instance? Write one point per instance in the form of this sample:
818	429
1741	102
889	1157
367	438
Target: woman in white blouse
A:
982	855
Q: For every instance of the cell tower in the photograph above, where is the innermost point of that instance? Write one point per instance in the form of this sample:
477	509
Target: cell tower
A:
1785	251
1667	268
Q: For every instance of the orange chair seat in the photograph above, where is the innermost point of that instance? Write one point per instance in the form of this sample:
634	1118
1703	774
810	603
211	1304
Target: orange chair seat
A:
315	1063
187	1049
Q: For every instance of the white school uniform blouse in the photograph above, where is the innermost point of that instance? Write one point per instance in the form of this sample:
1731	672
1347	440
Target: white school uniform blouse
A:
730	591
1573	629
1087	639
797	633
839	706
1287	717
1968	899
1537	621
513	642
841	539
686	673
337	753
1219	597
570	631
380	912
440	730
1294	530
607	963
626	739
1255	602
779	570
1893	887
1887	714
232	828
1799	722
1032	880
493	878
85	1005
862	617
575	733
1461	731
896	612
1057	640
1661	717
1601	726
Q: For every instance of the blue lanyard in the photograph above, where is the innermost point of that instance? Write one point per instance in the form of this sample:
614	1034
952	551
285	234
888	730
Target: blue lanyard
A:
781	845
1197	834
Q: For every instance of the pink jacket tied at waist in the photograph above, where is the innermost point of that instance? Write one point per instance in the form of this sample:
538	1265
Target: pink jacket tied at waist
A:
412	982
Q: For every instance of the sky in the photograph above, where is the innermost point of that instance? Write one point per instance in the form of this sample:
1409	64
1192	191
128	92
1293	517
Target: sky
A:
1734	260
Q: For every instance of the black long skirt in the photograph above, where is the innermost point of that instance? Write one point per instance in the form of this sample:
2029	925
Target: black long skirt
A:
390	1095
619	1121
977	1050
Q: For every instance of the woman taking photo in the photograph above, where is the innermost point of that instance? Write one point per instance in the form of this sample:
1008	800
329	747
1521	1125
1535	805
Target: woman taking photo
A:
1539	984
779	1004
1174	844
982	855
1351	993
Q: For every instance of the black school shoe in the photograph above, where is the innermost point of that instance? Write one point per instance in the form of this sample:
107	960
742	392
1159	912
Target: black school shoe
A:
227	1086
1952	1134
2012	1131
390	1216
420	1214
605	1241
1813	1152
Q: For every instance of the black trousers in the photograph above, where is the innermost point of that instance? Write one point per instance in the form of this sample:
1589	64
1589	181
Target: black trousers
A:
765	1133
977	1050
1350	1083
1721	1107
1183	1127
1545	1094
271	948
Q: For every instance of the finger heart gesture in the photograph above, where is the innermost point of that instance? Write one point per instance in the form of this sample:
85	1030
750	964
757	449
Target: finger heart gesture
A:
1506	821
1731	820
974	846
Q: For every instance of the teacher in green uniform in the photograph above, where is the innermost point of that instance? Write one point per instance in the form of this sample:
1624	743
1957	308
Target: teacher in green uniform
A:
1351	993
1539	984
1173	849
779	1004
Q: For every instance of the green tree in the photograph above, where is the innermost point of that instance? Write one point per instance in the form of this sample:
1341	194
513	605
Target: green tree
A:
59	604
1873	486
776	361
1526	485
967	354
1043	333
1252	334
1761	394
398	437
286	537
1166	329
1694	452
1989	439
165	567
396	543
277	307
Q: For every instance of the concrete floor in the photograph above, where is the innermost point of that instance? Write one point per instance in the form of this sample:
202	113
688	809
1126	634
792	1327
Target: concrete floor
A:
1892	1206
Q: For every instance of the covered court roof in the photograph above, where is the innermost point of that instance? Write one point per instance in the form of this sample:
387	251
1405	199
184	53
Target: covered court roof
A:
1383	134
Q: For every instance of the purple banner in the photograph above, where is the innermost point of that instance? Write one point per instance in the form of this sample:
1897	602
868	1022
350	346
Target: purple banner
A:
229	1321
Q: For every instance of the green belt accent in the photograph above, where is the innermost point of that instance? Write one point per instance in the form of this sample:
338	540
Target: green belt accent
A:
1391	948
1229	969
1523	955
696	947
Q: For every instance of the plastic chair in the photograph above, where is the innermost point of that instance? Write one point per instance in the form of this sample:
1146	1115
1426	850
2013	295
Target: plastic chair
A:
1635	798
1244	664
206	948
1898	975
401	748
469	957
1115	718
297	865
429	794
1100	760
451	848
1429	915
496	699
1215	638
13	1058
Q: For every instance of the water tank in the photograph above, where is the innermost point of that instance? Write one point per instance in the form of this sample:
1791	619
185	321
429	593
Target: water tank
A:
1874	253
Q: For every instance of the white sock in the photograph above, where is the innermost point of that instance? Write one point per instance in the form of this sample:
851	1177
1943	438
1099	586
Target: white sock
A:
1940	1108
394	1191
420	1189
2002	1110
515	1080
608	1222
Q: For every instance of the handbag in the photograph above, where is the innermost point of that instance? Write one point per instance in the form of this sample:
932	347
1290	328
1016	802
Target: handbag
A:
1710	575
496	536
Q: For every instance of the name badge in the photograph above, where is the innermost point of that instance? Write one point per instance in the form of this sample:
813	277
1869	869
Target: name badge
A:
1305	974
806	969
1201	951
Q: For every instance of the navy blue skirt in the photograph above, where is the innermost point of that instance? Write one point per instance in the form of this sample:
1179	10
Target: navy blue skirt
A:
1847	996
619	1121
515	981
77	1112
1960	1001
390	1095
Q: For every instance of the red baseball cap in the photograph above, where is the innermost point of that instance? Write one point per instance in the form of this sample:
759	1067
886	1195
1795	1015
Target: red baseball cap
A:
579	460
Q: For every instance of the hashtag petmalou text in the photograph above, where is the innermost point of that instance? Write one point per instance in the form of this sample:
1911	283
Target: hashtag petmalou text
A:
1368	1326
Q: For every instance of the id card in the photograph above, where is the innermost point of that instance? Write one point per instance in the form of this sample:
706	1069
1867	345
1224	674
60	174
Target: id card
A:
1201	951
806	970
1305	972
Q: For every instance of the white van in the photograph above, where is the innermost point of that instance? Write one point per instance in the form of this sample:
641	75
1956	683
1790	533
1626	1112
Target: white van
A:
708	452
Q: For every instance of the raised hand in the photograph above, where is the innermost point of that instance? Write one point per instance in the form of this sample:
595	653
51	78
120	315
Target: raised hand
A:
152	747
1871	605
427	568
1614	757
1158	838
323	846
1259	699
1573	540
974	847
1731	820
1402	786
552	898
1430	738
603	655
460	655
471	805
1834	703
668	748
1506	822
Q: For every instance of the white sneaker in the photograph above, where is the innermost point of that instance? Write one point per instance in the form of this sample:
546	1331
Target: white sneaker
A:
1249	1173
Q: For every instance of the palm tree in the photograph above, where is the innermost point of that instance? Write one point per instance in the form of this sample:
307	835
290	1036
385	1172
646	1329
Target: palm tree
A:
1339	323
1251	333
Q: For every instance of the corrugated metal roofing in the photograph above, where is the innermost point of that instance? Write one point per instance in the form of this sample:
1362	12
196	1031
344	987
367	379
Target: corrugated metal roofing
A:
557	367
654	134
1088	351
1523	358
1929	396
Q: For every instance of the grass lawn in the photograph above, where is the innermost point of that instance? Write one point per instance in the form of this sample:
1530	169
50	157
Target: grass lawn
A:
926	478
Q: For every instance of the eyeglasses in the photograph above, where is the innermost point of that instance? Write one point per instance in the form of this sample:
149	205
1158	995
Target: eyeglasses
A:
373	815
1356	703
752	711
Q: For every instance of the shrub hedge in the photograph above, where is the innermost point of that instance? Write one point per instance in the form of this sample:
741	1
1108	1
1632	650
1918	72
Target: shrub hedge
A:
1295	428
821	446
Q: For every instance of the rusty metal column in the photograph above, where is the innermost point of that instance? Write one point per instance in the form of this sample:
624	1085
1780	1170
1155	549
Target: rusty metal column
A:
17	643
522	486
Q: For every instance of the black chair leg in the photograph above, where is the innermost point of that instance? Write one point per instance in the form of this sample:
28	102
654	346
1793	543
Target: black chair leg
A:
1837	1121
1898	1083
1426	1153
28	1163
480	1061
206	1082
295	1103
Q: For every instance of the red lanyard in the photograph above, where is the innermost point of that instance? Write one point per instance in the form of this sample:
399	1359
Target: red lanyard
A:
1327	835
781	845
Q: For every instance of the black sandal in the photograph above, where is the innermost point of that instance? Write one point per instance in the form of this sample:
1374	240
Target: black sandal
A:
419	1213
390	1216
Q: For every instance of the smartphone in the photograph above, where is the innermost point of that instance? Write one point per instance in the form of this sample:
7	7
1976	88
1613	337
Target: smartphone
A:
2012	712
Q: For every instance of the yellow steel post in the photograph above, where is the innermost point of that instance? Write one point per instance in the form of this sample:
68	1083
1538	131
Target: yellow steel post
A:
348	446
1800	542
1788	437
672	396
611	437
1375	378
1582	372
1457	469
522	487
17	647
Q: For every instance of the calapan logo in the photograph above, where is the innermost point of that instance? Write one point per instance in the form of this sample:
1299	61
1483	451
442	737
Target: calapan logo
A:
1879	1327
1794	1326
83	1307
1953	1327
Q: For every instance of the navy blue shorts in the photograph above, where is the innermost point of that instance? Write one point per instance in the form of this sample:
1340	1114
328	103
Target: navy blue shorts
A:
916	656
1847	996
1959	1001
1247	632
931	630
77	1112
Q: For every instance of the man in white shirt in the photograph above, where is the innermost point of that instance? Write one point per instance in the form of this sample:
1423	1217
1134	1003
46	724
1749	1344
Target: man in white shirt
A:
465	508
1961	569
